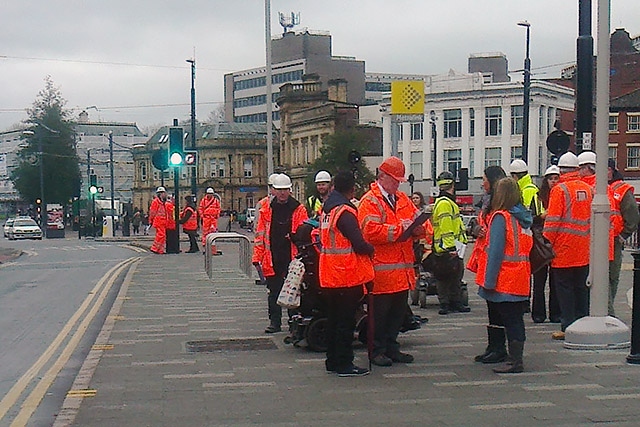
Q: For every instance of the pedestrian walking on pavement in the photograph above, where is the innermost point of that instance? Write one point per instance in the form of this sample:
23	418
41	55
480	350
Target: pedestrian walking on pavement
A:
384	214
189	221
158	218
496	350
136	220
505	275
345	266
272	247
567	227
449	233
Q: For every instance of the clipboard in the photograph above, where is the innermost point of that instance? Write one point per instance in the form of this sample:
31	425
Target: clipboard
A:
406	234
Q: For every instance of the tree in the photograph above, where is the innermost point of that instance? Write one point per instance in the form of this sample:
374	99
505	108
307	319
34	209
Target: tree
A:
50	144
334	157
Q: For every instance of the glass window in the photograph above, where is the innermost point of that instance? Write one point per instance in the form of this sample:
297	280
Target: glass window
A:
541	166
452	123
541	120
516	153
221	168
493	121
551	118
517	121
633	157
472	122
247	166
416	131
213	167
416	164
613	123
143	171
472	162
613	153
633	123
492	156
453	160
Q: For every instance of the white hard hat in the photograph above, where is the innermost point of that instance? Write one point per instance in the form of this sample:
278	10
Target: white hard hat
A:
210	190
518	166
587	158
552	170
271	178
281	182
568	160
323	176
161	190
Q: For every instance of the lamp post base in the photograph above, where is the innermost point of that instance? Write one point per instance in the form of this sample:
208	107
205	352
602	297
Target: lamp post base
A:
597	333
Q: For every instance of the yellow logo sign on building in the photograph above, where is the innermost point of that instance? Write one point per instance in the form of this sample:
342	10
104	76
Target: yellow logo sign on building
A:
407	97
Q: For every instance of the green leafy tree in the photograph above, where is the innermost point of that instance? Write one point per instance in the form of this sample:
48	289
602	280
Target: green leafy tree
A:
334	157
50	144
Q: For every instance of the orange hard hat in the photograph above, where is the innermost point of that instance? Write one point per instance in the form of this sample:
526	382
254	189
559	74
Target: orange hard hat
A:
393	167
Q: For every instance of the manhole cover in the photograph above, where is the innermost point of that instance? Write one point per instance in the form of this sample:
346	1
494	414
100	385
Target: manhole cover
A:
246	344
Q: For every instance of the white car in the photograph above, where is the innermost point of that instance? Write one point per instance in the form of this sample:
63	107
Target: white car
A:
251	217
24	228
7	226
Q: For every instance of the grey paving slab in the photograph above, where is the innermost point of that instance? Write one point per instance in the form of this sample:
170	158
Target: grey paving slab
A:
150	379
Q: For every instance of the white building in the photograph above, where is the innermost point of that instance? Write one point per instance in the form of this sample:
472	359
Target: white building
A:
477	124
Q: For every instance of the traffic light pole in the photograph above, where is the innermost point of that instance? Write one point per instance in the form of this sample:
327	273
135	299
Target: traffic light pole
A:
113	203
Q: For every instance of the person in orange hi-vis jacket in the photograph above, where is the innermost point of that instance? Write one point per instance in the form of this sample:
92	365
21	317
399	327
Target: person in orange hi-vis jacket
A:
158	219
272	247
568	228
209	211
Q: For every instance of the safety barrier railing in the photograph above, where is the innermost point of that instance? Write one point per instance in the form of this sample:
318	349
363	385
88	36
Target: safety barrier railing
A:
244	249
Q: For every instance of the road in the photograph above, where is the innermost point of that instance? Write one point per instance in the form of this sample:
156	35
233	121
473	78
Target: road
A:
53	300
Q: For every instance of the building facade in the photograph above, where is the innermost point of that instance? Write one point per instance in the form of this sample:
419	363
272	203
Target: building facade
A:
624	134
231	158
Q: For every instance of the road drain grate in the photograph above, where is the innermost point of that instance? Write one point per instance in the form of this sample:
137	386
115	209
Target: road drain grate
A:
243	344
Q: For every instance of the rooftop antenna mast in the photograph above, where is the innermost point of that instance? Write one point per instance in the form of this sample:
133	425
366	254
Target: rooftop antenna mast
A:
287	22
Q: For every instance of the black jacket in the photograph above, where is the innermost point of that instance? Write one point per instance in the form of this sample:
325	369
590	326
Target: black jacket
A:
348	223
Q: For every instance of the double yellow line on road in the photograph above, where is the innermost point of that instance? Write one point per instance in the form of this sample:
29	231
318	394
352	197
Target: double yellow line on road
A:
89	308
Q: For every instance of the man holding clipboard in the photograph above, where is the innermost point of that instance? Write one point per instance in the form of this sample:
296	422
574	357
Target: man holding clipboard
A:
384	215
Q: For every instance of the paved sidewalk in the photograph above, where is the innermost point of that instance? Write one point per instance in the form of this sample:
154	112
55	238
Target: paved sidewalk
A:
151	378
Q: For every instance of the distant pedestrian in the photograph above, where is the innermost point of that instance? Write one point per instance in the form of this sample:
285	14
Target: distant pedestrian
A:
209	212
505	276
189	221
136	220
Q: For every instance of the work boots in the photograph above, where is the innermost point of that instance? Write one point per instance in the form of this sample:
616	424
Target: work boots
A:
495	351
515	364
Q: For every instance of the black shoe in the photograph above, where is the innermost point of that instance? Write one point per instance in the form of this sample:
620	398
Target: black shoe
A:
382	360
554	320
400	357
329	367
460	308
354	371
496	356
444	309
272	329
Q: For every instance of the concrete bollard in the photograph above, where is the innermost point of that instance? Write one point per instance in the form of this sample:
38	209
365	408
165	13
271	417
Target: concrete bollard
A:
634	356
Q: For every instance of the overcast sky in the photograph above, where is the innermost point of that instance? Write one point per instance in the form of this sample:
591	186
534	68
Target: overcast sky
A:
127	58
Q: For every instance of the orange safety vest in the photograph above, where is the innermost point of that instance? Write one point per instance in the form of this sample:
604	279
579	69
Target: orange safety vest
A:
382	226
568	221
262	240
209	208
479	247
513	278
192	223
157	213
616	192
171	219
340	266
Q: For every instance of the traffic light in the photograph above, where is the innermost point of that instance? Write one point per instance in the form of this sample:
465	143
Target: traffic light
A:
38	205
176	146
93	184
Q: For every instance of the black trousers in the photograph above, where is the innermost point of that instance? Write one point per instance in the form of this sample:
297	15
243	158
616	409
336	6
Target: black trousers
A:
388	313
495	318
342	304
274	285
573	293
173	241
193	241
512	316
539	308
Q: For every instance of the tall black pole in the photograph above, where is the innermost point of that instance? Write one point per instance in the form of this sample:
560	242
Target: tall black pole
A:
113	203
43	205
194	187
434	134
584	83
527	98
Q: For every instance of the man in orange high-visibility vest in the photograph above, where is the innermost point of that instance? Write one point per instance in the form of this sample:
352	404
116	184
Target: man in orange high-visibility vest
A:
209	211
158	219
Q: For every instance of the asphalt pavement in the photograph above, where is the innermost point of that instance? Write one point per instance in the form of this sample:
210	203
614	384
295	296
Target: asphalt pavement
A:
179	349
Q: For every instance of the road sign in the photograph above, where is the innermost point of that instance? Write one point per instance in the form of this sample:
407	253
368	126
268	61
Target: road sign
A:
190	157
558	142
407	97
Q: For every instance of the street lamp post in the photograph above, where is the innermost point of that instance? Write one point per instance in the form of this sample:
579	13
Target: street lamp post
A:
113	204
193	121
527	90
434	135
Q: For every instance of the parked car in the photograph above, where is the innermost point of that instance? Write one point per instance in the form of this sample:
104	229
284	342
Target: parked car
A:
251	217
24	228
7	226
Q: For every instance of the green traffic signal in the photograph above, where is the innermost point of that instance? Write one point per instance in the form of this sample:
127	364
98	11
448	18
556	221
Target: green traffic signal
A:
93	189
176	146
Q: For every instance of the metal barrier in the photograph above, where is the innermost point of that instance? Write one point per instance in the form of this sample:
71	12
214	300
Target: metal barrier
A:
244	256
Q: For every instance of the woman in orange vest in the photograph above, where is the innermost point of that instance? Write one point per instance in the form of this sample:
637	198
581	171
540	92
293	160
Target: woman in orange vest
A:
345	266
189	221
496	350
504	278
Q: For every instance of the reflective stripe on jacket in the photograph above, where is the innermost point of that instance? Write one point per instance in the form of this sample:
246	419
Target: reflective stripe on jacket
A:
447	225
171	219
568	221
209	208
340	266
314	206
382	226
157	213
515	270
192	223
530	198
262	240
